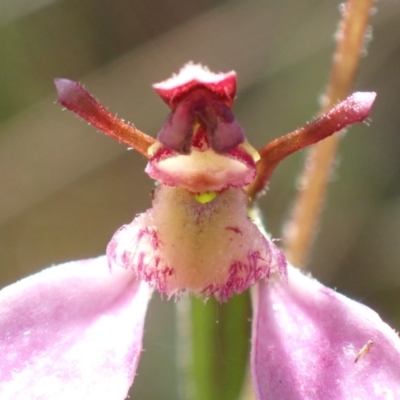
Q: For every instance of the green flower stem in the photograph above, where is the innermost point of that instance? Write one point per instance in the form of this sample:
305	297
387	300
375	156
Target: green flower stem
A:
220	347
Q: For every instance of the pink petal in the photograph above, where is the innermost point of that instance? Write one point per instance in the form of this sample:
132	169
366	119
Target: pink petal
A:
310	342
71	332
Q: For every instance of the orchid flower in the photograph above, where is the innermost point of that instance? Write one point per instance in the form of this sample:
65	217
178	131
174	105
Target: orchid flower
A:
75	330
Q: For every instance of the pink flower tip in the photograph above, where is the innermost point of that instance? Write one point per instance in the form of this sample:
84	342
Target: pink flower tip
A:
360	103
68	91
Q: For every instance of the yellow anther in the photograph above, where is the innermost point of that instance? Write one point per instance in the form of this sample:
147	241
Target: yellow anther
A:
205	197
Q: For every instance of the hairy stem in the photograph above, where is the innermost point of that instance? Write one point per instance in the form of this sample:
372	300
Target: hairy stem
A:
299	231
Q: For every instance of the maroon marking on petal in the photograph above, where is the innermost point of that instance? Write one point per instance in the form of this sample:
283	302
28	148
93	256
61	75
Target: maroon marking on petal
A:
234	229
243	156
161	154
147	267
200	140
242	275
152	273
152	234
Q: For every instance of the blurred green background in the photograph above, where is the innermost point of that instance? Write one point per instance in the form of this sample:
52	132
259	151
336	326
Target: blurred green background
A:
64	189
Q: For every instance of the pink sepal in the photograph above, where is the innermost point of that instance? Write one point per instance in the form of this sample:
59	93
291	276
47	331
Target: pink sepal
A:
310	342
73	331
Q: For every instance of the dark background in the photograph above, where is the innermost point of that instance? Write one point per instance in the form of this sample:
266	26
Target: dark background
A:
64	189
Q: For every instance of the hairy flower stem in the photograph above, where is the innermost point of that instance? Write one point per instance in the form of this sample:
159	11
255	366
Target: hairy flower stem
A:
299	231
